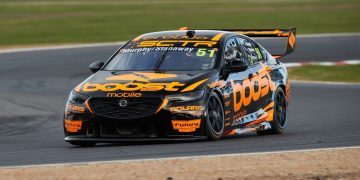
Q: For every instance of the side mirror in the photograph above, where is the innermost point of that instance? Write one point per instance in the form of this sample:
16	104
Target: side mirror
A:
237	66
95	66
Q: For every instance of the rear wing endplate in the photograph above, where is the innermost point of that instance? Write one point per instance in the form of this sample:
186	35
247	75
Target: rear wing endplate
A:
289	33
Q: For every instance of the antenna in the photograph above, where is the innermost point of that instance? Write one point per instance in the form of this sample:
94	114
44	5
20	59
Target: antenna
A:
190	33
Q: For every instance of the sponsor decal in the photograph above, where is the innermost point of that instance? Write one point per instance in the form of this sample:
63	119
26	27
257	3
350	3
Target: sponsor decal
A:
248	118
240	114
142	84
182	43
242	99
155	49
110	87
175	37
74	108
124	94
186	125
186	108
73	126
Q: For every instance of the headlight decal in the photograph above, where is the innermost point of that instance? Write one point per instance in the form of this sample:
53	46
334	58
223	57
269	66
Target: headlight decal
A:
77	98
190	96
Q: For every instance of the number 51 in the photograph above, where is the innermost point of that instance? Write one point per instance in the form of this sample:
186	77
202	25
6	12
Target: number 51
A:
203	52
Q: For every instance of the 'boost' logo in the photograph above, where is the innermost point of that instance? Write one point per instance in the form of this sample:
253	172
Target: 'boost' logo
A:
137	82
240	99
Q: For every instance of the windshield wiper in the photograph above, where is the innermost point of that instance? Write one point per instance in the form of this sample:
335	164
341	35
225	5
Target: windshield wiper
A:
159	62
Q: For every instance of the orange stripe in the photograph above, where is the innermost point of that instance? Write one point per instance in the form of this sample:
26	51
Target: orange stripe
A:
137	38
292	40
217	37
270	115
88	107
78	88
276	56
259	120
270	105
162	105
230	133
193	86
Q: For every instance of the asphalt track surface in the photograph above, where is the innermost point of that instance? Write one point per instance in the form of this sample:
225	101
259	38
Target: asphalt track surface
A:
35	85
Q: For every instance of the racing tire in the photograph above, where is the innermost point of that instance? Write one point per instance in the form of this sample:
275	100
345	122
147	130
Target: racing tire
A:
83	143
280	114
214	117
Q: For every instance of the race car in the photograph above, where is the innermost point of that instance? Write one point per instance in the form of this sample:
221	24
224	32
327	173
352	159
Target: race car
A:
182	85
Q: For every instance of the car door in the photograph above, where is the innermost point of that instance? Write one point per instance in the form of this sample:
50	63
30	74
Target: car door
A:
260	80
237	104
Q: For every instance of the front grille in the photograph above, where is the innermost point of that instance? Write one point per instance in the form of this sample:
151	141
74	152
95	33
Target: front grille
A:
136	107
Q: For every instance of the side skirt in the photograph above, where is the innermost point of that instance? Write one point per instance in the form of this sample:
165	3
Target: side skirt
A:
257	127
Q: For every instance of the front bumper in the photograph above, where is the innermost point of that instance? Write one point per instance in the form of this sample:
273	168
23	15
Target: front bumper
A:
165	125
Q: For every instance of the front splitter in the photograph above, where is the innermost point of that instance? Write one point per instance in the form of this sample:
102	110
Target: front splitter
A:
114	140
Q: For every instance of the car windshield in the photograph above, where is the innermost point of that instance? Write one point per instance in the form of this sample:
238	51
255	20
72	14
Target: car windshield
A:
164	58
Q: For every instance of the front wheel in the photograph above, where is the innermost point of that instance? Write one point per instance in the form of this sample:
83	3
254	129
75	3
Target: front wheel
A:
280	114
214	117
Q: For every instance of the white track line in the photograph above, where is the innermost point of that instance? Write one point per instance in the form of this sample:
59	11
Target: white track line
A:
327	35
334	63
179	158
324	82
44	48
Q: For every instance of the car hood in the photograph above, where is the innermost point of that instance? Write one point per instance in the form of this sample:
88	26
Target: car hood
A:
146	82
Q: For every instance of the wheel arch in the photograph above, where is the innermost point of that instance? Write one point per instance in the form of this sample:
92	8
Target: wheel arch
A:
283	87
218	92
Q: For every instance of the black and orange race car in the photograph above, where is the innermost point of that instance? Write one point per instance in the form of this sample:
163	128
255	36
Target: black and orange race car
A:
182	84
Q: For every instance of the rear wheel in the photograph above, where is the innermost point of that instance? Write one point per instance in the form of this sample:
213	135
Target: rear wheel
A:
83	143
215	117
280	117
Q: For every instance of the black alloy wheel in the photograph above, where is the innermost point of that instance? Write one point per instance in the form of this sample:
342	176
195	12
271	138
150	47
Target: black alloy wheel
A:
215	117
280	114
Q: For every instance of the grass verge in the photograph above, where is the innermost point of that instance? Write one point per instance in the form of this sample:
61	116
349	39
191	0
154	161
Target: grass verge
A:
82	21
349	73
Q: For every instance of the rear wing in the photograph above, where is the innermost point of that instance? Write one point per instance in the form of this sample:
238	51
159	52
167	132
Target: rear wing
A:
289	33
